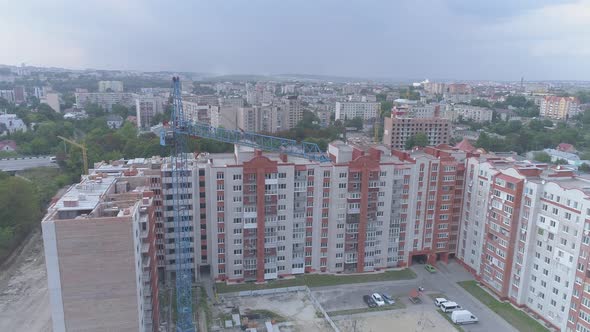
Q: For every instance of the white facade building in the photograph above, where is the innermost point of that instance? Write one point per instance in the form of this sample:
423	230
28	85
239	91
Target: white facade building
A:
351	110
12	123
110	86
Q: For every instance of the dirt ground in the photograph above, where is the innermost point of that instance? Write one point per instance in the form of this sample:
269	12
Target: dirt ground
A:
408	320
297	308
24	298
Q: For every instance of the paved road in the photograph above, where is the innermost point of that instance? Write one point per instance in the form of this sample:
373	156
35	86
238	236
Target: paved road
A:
19	164
444	281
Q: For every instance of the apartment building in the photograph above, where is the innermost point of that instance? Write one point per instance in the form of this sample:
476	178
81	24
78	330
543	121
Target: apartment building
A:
225	116
291	112
105	100
20	94
559	108
260	118
458	88
474	113
434	87
146	108
524	234
419	110
52	100
99	241
351	110
7	95
257	216
275	215
197	112
399	129
110	86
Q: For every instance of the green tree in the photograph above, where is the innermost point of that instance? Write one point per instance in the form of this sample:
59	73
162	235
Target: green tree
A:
483	141
542	156
420	139
481	103
584	168
356	122
19	212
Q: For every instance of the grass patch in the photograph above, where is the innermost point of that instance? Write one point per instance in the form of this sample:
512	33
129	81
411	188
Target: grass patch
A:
515	317
319	280
434	296
202	304
397	305
448	318
266	314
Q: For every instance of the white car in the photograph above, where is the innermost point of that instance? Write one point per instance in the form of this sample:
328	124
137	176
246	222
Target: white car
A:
439	300
461	317
378	299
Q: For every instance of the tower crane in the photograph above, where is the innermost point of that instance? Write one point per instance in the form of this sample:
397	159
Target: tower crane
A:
181	127
82	147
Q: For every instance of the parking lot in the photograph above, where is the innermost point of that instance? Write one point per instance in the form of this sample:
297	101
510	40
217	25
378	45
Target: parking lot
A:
335	298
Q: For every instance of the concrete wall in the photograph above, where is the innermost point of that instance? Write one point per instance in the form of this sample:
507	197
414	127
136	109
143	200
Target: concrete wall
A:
96	264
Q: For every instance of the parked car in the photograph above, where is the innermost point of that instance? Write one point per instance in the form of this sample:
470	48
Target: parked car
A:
378	299
440	300
369	301
430	268
387	298
449	306
461	317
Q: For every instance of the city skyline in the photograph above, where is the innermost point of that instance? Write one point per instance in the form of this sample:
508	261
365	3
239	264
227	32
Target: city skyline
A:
405	40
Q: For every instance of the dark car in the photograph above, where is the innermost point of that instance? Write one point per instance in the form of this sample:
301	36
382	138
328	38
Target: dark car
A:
388	298
369	301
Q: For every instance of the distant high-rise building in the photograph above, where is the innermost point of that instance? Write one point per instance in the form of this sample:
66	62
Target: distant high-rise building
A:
8	95
20	94
225	116
559	108
248	118
474	113
110	86
291	112
434	87
52	99
234	101
146	108
39	92
458	88
351	110
197	112
397	130
105	100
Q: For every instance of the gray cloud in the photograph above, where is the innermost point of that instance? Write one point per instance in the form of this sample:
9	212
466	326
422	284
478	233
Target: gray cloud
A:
387	39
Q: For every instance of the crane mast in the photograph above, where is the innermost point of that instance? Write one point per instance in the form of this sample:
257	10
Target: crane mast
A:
181	188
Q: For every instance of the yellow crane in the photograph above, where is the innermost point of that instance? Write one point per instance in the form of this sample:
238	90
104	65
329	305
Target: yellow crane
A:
82	147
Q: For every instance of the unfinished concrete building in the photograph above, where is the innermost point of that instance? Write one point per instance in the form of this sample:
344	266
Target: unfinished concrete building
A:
99	240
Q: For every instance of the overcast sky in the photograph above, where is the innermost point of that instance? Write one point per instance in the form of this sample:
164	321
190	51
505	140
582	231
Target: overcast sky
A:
396	39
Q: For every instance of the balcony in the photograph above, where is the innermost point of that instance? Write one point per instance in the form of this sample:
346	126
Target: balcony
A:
353	210
145	248
250	214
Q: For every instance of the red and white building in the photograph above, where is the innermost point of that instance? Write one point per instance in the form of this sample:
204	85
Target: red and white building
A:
525	235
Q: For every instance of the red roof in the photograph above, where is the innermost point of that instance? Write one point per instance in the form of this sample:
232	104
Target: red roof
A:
465	146
8	143
414	293
566	147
